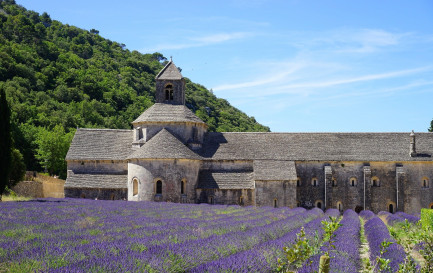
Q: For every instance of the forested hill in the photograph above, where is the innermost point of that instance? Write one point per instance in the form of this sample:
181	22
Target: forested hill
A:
58	77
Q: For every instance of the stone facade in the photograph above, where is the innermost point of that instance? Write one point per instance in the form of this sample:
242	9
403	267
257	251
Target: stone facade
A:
169	156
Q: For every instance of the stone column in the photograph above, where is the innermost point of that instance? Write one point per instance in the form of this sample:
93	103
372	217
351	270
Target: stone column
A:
367	188
400	184
328	187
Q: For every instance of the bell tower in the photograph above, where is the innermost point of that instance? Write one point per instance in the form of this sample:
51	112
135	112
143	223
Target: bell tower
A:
170	85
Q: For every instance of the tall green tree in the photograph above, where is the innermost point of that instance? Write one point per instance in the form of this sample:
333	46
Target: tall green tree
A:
52	149
5	142
431	127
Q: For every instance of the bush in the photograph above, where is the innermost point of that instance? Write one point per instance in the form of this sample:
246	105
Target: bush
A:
427	218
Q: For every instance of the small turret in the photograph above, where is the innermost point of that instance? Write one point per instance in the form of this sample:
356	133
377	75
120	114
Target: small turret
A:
412	144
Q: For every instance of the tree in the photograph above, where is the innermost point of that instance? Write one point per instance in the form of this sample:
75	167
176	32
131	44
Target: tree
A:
52	148
431	127
18	168
5	142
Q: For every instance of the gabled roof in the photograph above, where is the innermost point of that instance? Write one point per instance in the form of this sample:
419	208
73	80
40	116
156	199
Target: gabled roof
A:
316	146
161	112
100	144
169	72
101	181
225	180
274	170
164	146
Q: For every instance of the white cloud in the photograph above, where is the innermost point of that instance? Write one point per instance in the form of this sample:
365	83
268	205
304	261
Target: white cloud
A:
201	41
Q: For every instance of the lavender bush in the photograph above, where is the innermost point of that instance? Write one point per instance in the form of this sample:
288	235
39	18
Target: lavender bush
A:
345	256
376	233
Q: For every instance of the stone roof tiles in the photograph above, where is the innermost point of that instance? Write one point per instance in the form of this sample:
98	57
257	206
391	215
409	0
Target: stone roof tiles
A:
100	144
225	180
164	145
161	112
274	170
100	181
316	146
169	72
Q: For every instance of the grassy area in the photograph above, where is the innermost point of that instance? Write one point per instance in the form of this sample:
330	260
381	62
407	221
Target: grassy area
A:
7	198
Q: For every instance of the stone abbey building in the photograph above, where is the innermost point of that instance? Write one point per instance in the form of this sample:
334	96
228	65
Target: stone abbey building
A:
170	156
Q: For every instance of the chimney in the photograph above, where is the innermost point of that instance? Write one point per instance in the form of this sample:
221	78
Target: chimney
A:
412	145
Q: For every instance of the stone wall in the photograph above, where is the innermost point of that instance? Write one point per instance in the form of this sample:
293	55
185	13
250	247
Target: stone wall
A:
41	187
171	172
276	193
29	189
226	197
93	193
98	166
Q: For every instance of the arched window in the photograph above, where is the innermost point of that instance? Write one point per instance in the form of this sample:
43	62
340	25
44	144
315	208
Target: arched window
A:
375	182
134	186
391	208
241	200
112	196
159	187
182	186
168	91
340	206
319	204
298	182
425	182
334	182
275	203
314	182
352	182
210	199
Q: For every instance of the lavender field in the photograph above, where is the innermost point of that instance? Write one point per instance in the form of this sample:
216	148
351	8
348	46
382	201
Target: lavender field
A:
76	235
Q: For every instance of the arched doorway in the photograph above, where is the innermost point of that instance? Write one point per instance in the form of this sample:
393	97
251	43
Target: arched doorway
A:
391	208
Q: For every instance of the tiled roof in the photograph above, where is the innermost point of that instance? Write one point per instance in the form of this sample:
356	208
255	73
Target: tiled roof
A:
101	181
100	144
274	170
164	145
225	180
161	112
316	146
169	72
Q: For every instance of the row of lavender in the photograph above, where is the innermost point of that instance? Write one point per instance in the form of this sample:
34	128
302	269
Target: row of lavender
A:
114	236
85	235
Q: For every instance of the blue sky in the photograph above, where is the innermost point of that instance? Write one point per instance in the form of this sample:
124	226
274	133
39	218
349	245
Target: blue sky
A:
296	66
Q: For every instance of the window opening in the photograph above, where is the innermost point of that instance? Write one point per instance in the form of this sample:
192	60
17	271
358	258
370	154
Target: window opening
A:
334	182
319	205
182	187
169	92
298	182
241	200
391	208
314	182
211	200
159	187
275	203
135	186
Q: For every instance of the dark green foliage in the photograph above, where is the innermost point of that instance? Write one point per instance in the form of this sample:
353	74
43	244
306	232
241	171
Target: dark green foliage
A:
18	168
5	142
56	74
431	127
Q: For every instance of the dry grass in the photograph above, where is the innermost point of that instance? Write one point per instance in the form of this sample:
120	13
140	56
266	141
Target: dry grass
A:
8	198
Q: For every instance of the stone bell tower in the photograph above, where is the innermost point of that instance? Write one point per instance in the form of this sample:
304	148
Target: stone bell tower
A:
170	86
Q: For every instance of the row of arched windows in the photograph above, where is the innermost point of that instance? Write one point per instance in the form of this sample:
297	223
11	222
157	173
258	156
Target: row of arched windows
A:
158	186
353	182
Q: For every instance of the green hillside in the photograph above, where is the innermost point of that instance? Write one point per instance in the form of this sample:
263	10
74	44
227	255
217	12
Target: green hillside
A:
58	77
